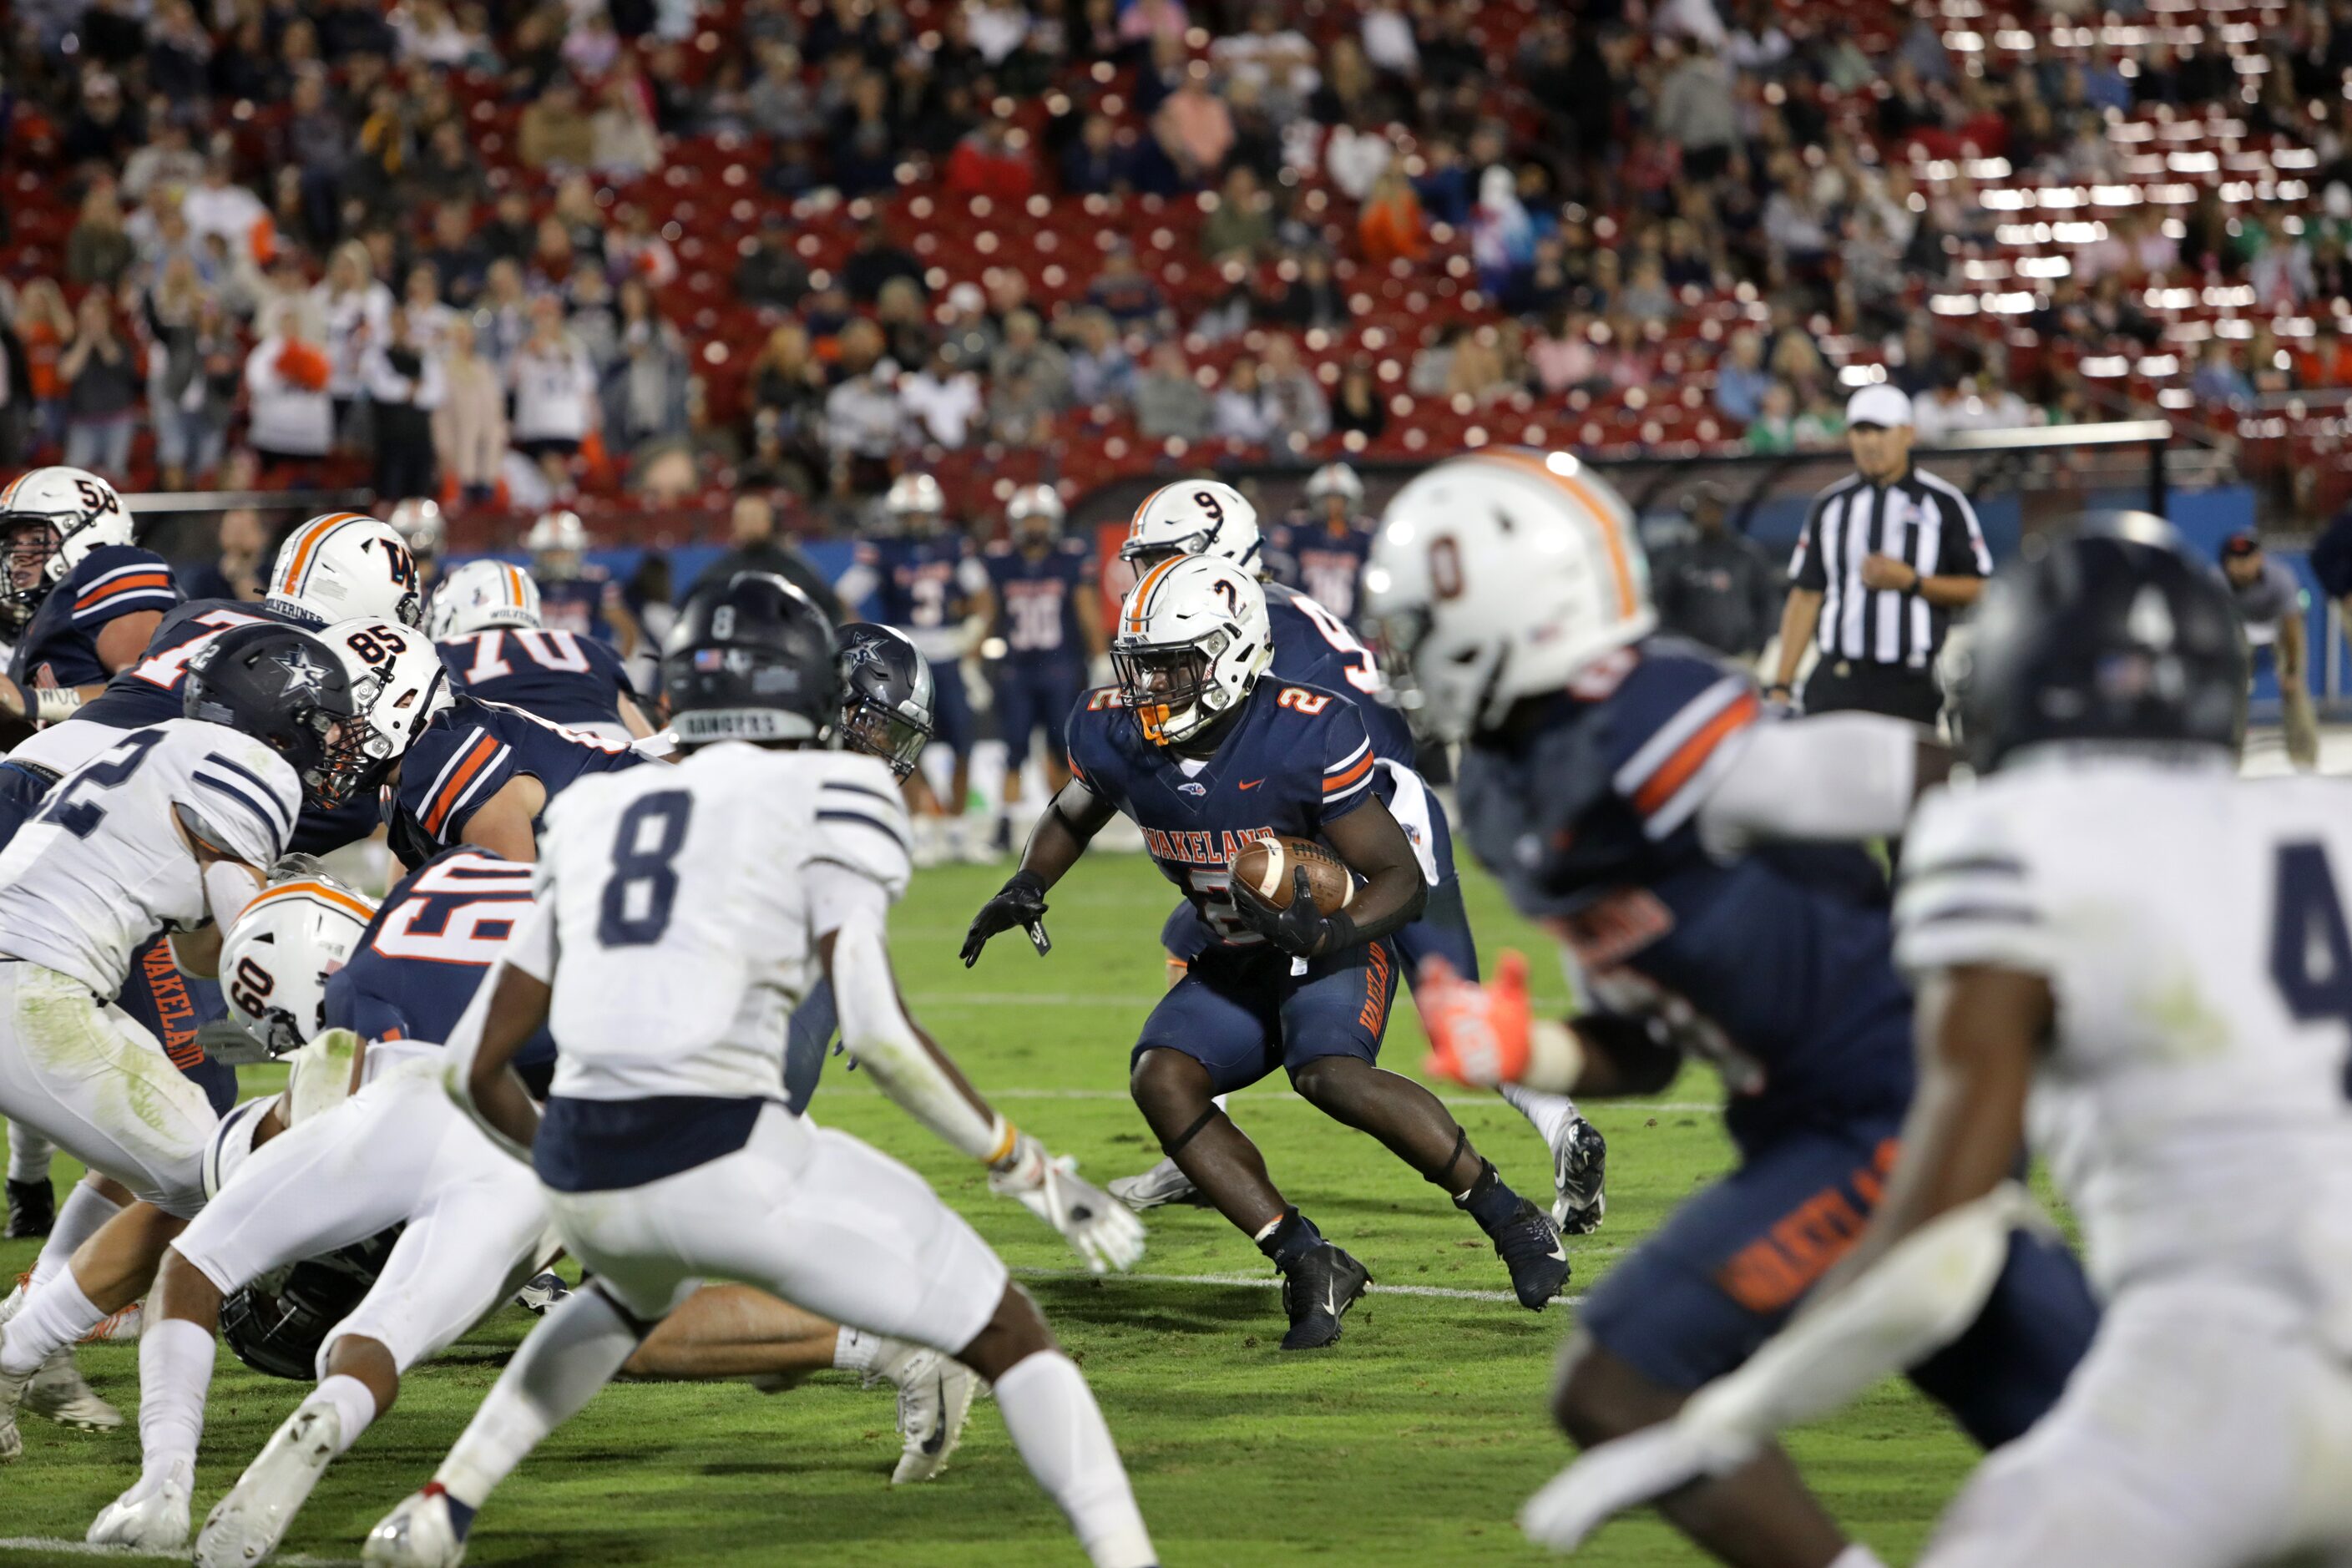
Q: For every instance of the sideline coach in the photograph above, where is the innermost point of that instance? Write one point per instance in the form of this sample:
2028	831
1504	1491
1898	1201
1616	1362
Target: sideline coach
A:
1885	558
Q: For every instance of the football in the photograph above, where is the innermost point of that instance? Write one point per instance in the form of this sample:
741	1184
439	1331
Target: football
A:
1266	865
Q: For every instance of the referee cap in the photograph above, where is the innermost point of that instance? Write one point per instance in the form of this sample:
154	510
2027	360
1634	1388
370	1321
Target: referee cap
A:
1878	403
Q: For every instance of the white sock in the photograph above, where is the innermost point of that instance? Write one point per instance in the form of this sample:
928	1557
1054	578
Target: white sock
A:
354	1405
1553	1114
175	1373
53	1317
82	1216
574	1352
855	1352
1054	1422
28	1154
1857	1555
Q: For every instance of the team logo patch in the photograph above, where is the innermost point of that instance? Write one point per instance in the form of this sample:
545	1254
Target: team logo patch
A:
1190	788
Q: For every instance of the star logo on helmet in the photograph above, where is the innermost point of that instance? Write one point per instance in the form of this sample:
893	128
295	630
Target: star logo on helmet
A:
865	653
303	673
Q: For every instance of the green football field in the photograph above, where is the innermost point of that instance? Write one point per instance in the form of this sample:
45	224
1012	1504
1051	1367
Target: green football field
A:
1411	1442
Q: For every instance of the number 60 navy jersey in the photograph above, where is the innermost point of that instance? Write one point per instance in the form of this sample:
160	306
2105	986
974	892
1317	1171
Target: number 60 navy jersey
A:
1297	758
436	933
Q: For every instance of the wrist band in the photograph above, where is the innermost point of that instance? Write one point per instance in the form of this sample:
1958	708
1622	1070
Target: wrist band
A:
54	704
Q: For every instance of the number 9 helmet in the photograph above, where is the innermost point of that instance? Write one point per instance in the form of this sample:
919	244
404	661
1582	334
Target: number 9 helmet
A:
1501	576
343	564
1194	516
50	519
276	960
751	659
399	682
285	689
886	696
481	595
1193	639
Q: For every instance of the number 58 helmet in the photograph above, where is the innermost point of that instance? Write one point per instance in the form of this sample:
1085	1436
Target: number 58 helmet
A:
49	520
1497	577
1193	638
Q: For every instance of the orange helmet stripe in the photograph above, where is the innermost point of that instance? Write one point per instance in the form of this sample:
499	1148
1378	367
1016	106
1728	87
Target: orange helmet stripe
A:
1620	566
514	582
319	891
306	549
1141	598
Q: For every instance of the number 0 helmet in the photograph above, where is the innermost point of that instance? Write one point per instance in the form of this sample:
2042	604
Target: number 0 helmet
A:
886	696
1497	577
343	564
481	595
1194	516
751	659
285	689
275	960
2116	634
1192	640
50	519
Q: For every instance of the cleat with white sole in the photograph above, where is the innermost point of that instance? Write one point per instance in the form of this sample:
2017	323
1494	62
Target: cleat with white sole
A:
59	1392
1580	1167
1163	1184
245	1526
935	1394
426	1531
152	1516
11	1395
119	1327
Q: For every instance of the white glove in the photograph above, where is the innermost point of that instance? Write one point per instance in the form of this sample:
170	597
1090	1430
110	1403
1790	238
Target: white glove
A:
1624	1473
1101	1230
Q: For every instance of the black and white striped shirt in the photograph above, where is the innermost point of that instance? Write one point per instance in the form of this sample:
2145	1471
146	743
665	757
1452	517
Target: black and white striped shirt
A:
1919	519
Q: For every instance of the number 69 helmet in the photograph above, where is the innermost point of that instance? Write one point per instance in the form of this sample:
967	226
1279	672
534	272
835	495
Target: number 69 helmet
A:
1193	639
1501	576
1193	517
275	959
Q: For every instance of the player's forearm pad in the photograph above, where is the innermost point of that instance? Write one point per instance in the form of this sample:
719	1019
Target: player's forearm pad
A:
877	1032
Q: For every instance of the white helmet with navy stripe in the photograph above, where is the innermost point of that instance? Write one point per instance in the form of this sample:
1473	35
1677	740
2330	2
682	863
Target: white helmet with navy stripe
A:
1193	639
1498	576
57	516
1336	479
275	959
345	564
1194	516
398	681
481	595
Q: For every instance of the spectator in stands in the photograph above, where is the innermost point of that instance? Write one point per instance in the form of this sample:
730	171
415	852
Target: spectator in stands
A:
942	402
1476	369
502	316
1741	379
104	130
755	545
44	326
1696	113
624	142
1101	370
193	370
2329	362
357	313
874	260
1095	164
291	419
98	378
241	569
2218	381
446	171
470	426
1293	399
1243	223
429	317
864	138
97	250
456	259
863	420
770	274
992	159
218	204
1122	291
1306	295
1774	428
317	150
1194	128
1390	227
428	35
1239	413
778	102
167	160
645	391
1355	155
1169	403
554	388
788	380
1359	409
555	132
405	385
1029	356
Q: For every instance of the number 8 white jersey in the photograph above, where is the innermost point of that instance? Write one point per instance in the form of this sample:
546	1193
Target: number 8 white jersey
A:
684	904
103	866
2194	1101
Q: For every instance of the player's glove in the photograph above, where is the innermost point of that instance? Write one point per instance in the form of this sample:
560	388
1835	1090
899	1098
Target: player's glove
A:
1019	902
1485	1034
1301	930
1100	1229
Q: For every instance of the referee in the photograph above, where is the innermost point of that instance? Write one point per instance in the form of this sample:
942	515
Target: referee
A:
1886	557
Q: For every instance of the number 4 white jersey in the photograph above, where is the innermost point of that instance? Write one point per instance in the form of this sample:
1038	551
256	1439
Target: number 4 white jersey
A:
684	905
2193	1102
103	866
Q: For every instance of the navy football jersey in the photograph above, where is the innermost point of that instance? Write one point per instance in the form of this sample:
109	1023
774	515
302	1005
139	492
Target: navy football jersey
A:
433	937
576	604
111	581
1297	758
557	675
1037	600
467	753
918	585
1585	811
1312	646
1322	560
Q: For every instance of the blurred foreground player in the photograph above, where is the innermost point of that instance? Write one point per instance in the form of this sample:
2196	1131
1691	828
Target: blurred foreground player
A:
1615	781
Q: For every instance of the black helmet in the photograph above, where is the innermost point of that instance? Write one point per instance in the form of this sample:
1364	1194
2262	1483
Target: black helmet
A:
886	696
751	660
2115	634
287	690
277	1323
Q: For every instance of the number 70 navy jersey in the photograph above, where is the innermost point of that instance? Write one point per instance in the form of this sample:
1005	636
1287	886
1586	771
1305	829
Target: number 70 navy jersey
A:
1297	758
557	675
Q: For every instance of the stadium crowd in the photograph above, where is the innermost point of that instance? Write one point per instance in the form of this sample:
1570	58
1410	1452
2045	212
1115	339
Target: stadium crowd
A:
427	245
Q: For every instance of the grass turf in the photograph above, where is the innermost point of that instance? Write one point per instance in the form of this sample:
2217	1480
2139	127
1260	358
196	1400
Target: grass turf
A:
1409	1443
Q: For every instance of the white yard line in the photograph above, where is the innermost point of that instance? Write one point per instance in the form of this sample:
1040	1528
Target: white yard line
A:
1274	1282
84	1548
847	1086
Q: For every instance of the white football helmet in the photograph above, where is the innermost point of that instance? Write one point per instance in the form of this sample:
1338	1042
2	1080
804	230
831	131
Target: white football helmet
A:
1194	516
1500	576
480	594
343	564
916	499
419	524
557	532
275	960
397	680
1036	501
1193	638
1336	479
49	520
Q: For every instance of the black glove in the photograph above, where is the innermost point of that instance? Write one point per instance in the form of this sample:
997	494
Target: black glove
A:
1019	902
1300	930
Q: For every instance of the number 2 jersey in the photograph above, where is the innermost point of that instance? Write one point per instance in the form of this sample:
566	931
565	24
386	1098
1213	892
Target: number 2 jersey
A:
102	868
111	582
467	753
2192	1101
558	674
1297	758
1585	808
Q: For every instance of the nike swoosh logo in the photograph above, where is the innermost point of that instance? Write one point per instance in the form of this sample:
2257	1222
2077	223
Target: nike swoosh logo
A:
939	1438
1331	1300
1252	783
1558	1254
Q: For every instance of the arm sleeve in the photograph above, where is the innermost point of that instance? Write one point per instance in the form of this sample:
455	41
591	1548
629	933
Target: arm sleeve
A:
1970	893
242	801
862	828
971	575
875	1028
1347	762
1681	722
1843	776
865	575
446	778
1963	552
111	582
1806	568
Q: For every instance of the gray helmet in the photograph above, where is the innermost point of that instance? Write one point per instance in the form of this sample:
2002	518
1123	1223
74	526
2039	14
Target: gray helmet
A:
886	696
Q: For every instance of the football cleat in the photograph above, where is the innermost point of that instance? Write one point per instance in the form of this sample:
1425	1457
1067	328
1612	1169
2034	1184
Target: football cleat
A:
32	1208
426	1531
1532	1249
57	1393
245	1526
1316	1292
11	1395
1579	1164
14	1301
935	1395
152	1516
1163	1184
541	1292
119	1327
